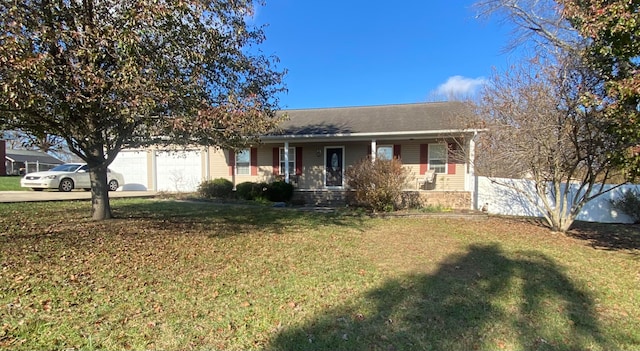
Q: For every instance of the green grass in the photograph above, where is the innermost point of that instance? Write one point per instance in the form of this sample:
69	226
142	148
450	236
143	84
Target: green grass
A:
10	183
197	275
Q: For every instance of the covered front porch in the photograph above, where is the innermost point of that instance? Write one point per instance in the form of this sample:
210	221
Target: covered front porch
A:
434	164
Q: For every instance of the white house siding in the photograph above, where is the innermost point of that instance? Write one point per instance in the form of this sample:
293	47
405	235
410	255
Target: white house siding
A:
218	164
451	182
410	153
265	164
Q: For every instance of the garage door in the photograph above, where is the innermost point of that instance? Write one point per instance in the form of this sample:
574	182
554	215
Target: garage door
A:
133	166
178	171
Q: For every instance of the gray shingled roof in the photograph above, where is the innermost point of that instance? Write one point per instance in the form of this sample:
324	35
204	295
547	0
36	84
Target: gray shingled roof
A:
31	157
420	117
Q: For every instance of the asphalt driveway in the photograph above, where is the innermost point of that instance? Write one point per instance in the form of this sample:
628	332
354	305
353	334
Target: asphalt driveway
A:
30	196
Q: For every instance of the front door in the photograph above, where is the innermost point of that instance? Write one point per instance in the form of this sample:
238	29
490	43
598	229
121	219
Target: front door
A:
334	166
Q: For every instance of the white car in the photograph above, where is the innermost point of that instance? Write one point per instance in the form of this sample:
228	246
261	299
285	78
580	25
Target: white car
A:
67	177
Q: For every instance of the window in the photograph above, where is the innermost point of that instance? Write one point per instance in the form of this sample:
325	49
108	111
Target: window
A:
243	162
385	152
292	160
438	158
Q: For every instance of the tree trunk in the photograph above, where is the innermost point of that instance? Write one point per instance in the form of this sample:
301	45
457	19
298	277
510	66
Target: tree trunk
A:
100	207
560	222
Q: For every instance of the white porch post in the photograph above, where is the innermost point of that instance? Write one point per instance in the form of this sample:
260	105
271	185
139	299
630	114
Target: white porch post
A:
472	180
373	149
471	172
207	164
286	162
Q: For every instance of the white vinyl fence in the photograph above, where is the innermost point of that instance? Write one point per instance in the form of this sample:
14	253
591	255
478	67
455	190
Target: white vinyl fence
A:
501	200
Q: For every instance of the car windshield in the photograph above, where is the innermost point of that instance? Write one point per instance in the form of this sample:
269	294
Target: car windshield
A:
65	168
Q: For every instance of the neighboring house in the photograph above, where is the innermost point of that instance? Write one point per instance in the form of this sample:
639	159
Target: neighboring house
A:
313	148
27	161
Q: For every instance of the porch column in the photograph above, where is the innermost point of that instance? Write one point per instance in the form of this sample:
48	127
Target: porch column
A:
472	181
373	149
471	172
207	164
286	162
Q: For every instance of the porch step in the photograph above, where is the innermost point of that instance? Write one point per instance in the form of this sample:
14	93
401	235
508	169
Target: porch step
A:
323	198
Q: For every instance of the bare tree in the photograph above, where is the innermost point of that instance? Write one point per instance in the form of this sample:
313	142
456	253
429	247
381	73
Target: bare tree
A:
44	142
541	126
537	24
605	34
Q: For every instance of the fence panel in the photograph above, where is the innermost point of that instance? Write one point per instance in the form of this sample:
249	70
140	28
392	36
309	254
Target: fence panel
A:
501	200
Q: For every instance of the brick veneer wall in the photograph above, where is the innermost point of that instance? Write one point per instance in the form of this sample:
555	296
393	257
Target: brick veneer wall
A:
457	200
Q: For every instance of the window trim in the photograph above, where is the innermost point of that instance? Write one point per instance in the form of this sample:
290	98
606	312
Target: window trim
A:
292	160
431	166
389	146
247	164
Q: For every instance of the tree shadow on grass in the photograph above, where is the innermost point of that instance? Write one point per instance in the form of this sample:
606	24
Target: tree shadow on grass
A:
479	300
235	218
613	237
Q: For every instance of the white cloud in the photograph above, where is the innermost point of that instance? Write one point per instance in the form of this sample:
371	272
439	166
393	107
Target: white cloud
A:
459	86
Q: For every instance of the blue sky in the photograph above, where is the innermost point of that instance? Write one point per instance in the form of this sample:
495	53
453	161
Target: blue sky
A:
357	53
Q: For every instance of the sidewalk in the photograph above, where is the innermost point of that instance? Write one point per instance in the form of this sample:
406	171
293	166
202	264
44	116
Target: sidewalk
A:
31	196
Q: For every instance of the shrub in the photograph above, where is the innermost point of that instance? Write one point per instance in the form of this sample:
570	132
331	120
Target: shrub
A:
629	204
378	184
217	188
251	190
279	191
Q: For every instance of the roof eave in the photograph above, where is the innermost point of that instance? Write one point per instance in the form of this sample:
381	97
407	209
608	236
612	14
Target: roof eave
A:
367	136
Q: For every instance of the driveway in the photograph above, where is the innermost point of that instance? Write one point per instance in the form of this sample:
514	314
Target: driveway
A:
29	196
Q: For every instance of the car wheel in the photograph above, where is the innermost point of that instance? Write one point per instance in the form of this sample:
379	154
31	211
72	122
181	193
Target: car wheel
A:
113	185
36	189
66	185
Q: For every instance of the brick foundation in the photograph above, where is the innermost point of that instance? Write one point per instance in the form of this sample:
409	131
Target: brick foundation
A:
458	200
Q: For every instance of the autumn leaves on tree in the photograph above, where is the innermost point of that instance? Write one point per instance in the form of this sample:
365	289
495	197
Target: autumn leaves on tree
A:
110	74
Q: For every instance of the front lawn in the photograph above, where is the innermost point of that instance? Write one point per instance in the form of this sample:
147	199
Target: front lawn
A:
195	275
10	183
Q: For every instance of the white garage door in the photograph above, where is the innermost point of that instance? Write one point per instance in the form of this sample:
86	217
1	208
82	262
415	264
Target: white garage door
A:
178	171
133	166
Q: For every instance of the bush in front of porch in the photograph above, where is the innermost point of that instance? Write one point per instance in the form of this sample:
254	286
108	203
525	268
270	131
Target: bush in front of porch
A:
377	184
